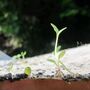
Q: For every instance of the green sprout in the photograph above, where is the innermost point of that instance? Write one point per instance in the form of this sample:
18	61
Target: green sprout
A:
27	71
20	56
58	55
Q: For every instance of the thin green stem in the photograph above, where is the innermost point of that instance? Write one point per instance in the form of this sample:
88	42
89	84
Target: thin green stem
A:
56	43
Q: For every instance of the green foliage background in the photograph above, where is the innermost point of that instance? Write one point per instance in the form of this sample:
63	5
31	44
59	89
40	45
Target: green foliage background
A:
25	24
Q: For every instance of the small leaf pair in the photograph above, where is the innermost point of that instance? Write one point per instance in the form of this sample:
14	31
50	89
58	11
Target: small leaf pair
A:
20	56
57	30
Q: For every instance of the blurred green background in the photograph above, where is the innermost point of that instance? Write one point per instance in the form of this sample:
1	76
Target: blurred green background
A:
25	25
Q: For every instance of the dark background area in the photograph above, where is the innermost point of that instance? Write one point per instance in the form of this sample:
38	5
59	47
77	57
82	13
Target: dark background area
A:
25	25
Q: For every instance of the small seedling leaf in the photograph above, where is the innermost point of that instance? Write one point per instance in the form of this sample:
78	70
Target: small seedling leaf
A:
58	48
52	61
59	32
61	54
23	53
55	28
27	71
18	56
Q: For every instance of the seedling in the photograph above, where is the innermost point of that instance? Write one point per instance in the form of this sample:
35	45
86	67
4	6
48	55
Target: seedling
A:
20	56
27	71
58	55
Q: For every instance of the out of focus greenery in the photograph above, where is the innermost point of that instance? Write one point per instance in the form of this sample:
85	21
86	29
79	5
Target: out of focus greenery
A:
25	24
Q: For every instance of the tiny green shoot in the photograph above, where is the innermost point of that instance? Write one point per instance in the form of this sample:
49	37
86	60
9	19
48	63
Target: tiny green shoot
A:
27	71
58	55
20	56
